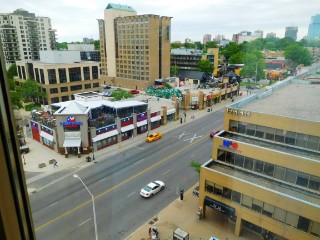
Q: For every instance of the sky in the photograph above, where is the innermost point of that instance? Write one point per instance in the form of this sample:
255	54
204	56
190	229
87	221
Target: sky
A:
76	19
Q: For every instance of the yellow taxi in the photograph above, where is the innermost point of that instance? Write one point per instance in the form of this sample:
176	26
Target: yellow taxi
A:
154	137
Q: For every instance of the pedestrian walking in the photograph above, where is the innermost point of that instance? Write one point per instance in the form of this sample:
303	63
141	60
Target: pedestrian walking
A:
55	163
150	233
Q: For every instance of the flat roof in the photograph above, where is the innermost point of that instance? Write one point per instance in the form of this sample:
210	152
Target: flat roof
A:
272	146
263	182
294	100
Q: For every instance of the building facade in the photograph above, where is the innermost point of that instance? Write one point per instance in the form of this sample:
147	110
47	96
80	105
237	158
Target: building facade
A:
264	173
291	32
136	48
314	28
206	38
61	74
24	35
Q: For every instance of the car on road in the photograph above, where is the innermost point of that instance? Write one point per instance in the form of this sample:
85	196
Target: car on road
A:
134	91
152	188
214	132
154	137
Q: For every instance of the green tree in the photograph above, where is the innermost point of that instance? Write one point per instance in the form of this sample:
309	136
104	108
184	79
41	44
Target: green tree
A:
189	45
30	90
96	44
237	58
63	45
210	44
253	66
12	71
16	100
198	45
121	94
196	166
297	55
205	66
174	70
167	85
176	45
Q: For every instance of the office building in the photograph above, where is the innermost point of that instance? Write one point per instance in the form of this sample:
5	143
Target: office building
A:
291	32
88	40
314	28
24	35
206	38
265	168
87	52
246	36
136	48
61	74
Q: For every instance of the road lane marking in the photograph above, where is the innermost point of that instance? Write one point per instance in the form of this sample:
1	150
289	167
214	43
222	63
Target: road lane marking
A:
101	180
181	135
53	204
191	139
131	194
166	172
120	184
84	222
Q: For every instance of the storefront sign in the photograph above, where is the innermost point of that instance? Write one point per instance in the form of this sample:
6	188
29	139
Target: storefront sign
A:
220	207
194	99
141	117
238	112
70	122
230	146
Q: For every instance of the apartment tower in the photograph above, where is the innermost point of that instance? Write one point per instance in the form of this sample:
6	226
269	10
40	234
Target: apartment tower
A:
23	35
135	49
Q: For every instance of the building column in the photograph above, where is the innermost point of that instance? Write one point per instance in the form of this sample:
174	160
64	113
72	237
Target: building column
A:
164	116
119	136
148	120
238	226
134	121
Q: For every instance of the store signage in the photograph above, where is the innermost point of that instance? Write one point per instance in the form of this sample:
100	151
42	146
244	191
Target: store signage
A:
238	112
194	99
142	116
229	145
70	122
220	207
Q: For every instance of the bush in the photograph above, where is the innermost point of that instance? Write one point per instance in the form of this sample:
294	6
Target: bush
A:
42	165
32	106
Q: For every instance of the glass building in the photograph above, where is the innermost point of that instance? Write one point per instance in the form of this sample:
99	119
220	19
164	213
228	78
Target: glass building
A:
314	27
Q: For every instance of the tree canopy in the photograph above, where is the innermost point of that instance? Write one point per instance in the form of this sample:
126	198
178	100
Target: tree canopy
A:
30	90
205	66
298	55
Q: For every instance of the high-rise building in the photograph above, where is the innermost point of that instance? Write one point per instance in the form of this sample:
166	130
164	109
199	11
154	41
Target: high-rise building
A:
206	38
314	28
271	35
246	36
24	35
291	32
136	48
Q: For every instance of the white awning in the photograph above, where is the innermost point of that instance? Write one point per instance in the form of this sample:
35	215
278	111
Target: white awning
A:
156	118
72	142
144	122
127	128
46	136
105	135
170	111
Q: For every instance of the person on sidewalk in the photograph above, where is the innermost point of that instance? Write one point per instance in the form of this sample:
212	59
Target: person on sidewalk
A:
55	163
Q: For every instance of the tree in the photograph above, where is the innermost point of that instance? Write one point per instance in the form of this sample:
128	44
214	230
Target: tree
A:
120	94
174	70
205	66
298	55
12	71
30	90
196	166
198	45
63	45
253	66
176	45
96	44
16	100
210	44
189	45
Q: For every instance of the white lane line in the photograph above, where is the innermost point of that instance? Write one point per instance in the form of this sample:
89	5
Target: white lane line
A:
131	194
101	180
84	222
53	204
166	172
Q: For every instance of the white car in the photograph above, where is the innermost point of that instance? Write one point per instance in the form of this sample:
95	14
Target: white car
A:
152	188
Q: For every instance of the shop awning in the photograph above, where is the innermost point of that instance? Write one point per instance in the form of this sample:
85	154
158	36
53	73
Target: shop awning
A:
105	135
170	111
46	136
127	128
144	122
72	142
156	118
219	206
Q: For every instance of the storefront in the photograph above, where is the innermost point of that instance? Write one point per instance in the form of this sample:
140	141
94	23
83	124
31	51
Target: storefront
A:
47	138
126	128
155	120
194	104
142	123
105	136
171	113
35	131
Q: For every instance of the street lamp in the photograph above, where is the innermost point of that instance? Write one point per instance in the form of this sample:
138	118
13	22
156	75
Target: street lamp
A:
94	209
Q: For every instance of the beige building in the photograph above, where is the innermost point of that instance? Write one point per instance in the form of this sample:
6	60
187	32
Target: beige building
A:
265	168
135	49
61	74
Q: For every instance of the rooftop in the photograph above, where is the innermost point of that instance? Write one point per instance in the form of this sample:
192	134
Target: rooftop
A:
294	100
120	7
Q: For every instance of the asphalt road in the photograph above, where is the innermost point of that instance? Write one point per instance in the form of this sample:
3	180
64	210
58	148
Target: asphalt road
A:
65	210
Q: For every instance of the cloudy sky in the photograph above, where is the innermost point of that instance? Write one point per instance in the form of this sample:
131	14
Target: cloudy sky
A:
76	19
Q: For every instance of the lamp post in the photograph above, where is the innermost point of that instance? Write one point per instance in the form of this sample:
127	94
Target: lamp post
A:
94	209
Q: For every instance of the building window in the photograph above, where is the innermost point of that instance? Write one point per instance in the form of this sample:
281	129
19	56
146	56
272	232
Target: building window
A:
239	160
279	172
86	73
52	76
314	183
292	219
218	189
62	75
303	224
302	179
246	201
64	89
53	90
258	166
76	87
64	98
291	176
279	214
37	75
315	229
248	163
268	210
95	74
227	193
236	196
257	205
95	85
86	86
209	187
268	169
42	76
55	100
75	74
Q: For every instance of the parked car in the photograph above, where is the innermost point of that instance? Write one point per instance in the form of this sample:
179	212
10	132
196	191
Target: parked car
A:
134	91
152	188
154	137
214	132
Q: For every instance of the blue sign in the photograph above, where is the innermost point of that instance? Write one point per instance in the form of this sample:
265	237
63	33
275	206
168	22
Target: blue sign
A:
70	122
